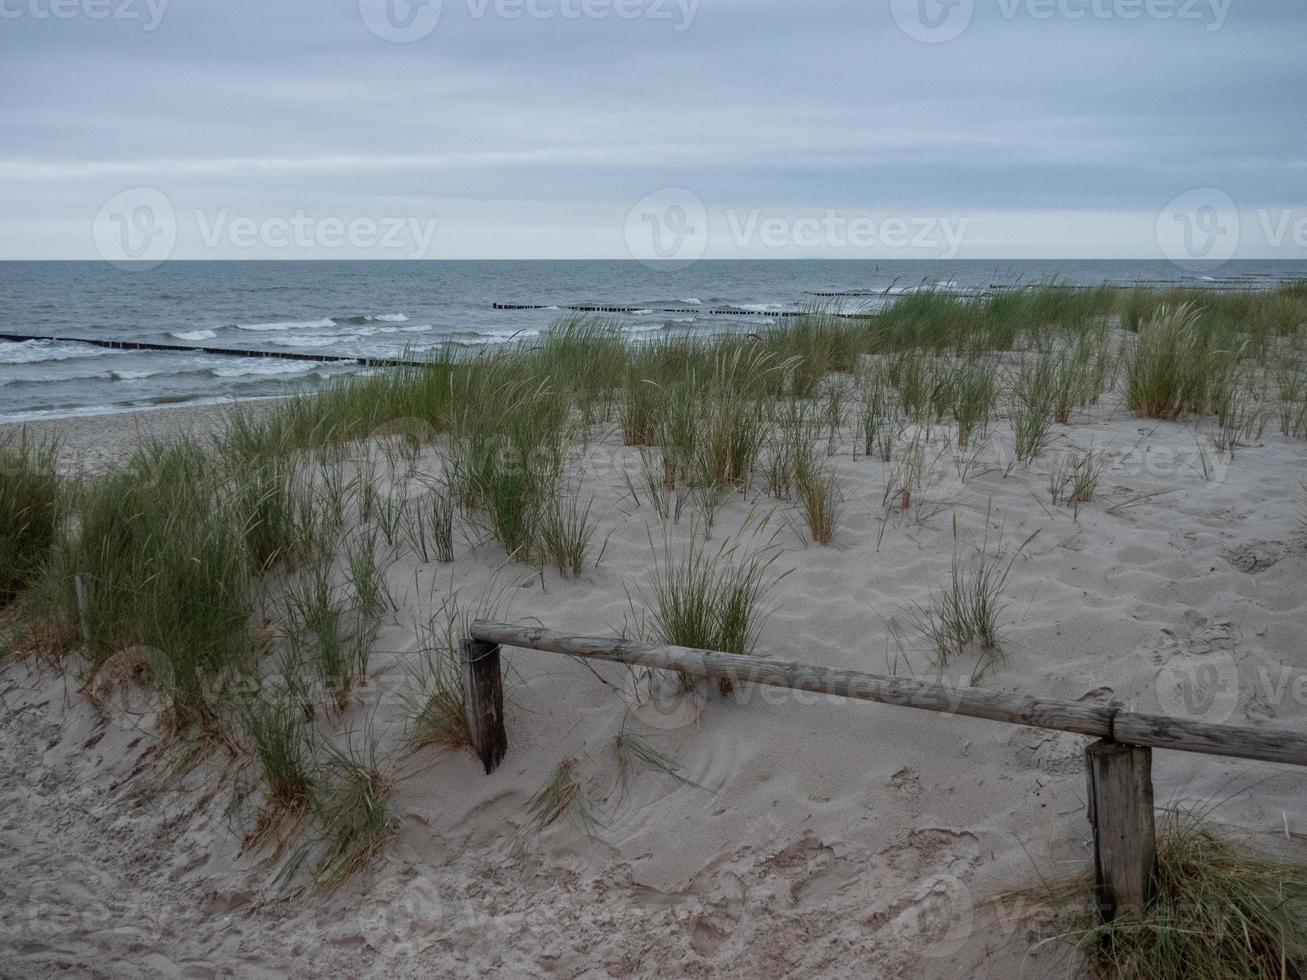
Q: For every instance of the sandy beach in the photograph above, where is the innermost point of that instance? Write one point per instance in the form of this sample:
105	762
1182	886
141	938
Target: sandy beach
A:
802	835
650	489
93	443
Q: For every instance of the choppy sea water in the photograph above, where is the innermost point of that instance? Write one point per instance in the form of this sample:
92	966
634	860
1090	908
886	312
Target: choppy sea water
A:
387	309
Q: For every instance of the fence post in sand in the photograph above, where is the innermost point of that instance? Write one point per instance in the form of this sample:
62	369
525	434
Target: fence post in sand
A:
483	695
1121	814
83	609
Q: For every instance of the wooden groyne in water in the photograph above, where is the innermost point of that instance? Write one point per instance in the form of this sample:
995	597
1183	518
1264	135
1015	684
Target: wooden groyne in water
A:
225	351
636	310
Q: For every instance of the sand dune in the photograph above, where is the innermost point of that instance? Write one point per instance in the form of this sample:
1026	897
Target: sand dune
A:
811	836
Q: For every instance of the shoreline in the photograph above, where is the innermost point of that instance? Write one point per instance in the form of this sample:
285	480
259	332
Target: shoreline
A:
95	442
306	321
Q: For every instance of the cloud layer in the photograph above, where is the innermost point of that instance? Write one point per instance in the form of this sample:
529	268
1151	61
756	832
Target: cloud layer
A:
530	128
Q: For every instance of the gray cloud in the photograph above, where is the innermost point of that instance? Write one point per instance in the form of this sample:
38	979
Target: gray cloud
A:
1052	134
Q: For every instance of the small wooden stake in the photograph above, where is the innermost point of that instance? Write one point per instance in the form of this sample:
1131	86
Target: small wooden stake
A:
483	693
83	609
1121	813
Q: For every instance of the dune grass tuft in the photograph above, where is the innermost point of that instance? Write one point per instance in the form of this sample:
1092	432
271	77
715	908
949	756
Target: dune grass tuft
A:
973	396
969	608
366	573
1221	911
566	529
281	743
162	565
560	795
438	713
353	810
1075	477
275	511
29	509
708	599
1032	429
442	525
1177	365
819	497
330	632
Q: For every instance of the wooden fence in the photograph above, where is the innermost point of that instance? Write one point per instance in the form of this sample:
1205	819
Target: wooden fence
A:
1119	762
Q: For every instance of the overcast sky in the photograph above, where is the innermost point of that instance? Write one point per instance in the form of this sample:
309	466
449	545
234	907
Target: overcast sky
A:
533	128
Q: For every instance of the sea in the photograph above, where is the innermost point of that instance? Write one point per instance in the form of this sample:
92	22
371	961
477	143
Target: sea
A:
388	309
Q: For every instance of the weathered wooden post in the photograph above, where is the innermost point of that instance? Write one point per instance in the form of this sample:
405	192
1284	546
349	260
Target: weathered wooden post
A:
83	593
483	694
1121	813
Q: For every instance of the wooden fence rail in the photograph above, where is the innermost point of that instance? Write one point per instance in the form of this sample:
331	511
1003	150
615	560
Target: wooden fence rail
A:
1119	764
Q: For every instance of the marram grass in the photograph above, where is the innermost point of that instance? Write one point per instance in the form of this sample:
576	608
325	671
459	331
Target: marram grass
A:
30	491
1221	911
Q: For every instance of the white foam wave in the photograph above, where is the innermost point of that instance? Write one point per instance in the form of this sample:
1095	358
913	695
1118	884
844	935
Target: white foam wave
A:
474	338
194	334
372	331
301	341
47	378
36	351
288	325
693	301
266	369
